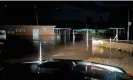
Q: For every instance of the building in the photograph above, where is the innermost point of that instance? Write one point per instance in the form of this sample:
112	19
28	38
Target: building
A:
30	31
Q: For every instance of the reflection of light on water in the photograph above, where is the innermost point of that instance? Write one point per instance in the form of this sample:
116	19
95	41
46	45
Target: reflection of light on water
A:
101	50
60	54
40	59
96	49
58	37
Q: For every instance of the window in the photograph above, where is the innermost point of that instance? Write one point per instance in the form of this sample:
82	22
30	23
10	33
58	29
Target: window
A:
20	30
44	29
80	68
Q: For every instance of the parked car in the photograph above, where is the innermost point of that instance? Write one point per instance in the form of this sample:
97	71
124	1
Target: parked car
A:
2	35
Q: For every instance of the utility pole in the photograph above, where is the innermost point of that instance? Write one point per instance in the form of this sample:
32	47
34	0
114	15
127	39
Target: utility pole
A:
128	27
86	26
36	15
129	23
40	52
66	25
87	39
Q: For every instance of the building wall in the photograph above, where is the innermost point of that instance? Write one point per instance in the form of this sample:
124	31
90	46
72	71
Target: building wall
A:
28	30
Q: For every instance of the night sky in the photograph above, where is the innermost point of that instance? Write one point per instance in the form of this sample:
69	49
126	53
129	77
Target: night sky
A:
75	14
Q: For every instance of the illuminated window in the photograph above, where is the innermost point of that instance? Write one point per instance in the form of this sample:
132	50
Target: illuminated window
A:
20	30
44	29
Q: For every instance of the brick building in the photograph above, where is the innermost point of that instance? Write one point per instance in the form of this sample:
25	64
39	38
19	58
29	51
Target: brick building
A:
30	31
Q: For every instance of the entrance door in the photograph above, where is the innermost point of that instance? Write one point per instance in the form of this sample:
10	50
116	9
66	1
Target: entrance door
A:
35	34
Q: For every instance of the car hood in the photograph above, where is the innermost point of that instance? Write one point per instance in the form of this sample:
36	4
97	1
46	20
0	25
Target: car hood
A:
66	65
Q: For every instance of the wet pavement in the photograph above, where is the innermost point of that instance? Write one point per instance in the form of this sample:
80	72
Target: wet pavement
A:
64	49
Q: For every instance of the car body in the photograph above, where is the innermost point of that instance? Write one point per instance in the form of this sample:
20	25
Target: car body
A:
3	35
61	69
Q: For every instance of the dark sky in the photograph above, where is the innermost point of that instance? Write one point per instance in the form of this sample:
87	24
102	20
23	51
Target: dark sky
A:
74	14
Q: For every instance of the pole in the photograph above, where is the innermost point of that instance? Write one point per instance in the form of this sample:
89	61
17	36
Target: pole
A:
40	52
117	34
69	34
86	26
65	38
73	38
66	25
36	15
110	42
59	32
128	27
87	39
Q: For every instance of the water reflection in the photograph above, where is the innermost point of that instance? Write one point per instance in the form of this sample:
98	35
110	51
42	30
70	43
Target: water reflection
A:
52	45
101	50
63	48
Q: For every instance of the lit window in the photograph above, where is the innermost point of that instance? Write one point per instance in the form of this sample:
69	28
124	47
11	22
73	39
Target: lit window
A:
44	29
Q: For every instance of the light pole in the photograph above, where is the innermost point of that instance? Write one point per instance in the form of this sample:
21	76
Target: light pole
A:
36	14
129	23
128	27
87	39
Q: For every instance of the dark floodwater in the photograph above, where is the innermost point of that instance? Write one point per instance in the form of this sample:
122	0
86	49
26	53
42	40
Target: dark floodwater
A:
18	47
26	49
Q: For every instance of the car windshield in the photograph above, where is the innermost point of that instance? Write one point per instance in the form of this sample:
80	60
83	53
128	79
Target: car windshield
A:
98	32
2	32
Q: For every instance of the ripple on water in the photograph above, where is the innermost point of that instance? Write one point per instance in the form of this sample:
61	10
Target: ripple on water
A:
128	61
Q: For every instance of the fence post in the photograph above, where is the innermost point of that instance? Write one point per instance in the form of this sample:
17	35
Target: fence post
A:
110	42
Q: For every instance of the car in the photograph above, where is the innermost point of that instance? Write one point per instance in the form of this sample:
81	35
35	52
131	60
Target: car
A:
61	69
2	35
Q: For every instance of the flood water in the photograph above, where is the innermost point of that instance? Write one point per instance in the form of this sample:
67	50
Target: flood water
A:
55	47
